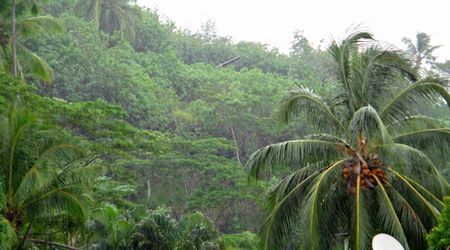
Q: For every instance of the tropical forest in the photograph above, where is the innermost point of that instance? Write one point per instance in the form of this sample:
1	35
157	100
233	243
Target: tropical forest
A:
121	130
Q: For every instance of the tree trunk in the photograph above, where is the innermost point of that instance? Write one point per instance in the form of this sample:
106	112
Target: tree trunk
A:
72	239
148	189
27	235
14	40
346	243
237	145
53	244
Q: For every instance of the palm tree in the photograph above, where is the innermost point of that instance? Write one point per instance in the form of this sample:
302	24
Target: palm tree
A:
160	231
8	238
110	229
44	178
109	16
23	23
366	171
156	231
420	50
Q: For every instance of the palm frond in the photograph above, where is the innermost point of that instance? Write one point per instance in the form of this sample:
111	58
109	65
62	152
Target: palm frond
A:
75	177
362	230
431	197
294	154
392	59
57	153
413	227
387	216
89	9
277	192
409	44
314	201
341	53
105	215
37	67
411	162
149	235
300	100
414	122
383	66
326	137
71	180
428	140
4	60
61	200
18	137
401	106
48	153
8	236
432	210
33	26
31	183
366	122
58	206
282	207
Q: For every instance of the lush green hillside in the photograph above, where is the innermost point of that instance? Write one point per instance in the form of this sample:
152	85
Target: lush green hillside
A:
167	130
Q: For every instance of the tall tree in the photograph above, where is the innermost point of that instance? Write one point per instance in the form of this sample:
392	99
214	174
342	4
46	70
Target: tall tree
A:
366	171
44	178
109	229
19	19
420	50
110	16
14	39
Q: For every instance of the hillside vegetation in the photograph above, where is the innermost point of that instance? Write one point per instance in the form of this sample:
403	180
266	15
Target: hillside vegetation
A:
162	131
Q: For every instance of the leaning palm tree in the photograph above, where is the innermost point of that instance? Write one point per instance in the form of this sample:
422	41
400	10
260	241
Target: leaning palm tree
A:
19	19
367	170
44	178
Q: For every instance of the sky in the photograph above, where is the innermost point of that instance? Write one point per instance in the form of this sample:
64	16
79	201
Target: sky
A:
274	22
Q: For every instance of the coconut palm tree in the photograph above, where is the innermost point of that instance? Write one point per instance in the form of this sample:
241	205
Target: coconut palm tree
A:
44	178
421	50
366	170
159	230
19	19
109	15
8	238
109	229
156	231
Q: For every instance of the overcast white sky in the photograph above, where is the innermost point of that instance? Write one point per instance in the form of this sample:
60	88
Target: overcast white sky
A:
274	22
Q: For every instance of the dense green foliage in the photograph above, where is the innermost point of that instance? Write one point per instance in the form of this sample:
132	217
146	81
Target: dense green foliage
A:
439	237
164	130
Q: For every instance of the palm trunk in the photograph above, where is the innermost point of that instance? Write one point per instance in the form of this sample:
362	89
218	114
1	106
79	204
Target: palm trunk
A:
53	244
237	145
14	40
346	243
148	189
27	235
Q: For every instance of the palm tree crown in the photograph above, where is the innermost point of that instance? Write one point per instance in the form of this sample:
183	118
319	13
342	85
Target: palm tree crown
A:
421	50
110	16
25	23
45	179
367	169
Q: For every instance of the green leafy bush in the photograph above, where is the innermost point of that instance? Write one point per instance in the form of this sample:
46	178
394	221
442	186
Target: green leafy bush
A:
439	237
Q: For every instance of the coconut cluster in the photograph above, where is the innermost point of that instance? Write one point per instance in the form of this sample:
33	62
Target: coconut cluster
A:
364	169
